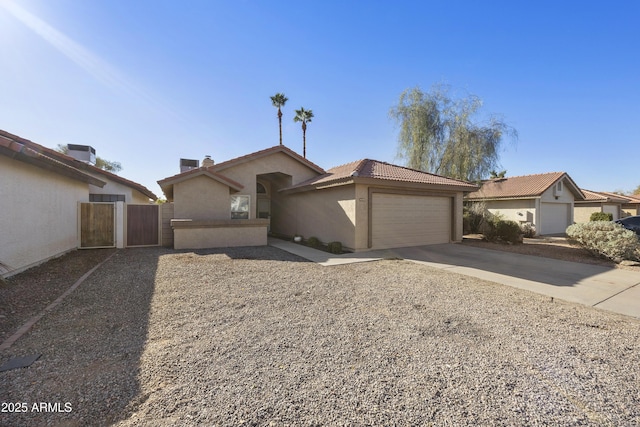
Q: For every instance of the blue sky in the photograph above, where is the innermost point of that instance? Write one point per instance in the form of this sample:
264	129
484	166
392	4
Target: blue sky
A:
148	82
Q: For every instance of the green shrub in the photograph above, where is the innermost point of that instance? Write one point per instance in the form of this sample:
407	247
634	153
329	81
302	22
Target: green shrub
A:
335	247
496	229
528	230
601	216
473	215
606	239
508	231
314	242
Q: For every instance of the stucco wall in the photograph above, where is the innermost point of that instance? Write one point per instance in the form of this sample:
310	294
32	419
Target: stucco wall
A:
38	214
201	198
342	214
219	234
582	212
520	211
328	214
245	174
131	195
630	210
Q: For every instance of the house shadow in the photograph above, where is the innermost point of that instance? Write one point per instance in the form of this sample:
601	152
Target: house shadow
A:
91	347
509	266
260	253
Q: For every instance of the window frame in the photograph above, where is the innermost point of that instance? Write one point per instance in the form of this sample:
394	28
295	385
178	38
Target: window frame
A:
243	208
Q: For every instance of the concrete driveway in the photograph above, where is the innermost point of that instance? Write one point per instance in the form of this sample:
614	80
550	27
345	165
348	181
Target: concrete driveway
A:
596	286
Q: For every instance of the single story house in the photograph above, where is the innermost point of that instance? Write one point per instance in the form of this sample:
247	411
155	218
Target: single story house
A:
546	201
40	190
597	202
630	205
365	204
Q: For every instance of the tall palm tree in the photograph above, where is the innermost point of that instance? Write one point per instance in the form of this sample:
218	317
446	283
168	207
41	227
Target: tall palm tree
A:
305	117
278	100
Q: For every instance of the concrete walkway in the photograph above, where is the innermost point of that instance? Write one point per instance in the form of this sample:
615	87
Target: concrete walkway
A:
596	286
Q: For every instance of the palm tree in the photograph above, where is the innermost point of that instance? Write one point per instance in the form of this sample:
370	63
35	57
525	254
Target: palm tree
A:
278	100
305	117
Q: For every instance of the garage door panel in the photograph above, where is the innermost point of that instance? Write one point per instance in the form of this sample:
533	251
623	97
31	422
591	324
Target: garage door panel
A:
555	218
408	220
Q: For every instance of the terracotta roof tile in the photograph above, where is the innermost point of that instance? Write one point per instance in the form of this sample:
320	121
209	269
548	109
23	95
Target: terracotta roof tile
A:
76	164
19	150
594	196
375	169
266	152
520	186
199	171
634	198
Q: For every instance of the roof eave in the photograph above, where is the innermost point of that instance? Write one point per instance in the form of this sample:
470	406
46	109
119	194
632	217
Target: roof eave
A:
21	153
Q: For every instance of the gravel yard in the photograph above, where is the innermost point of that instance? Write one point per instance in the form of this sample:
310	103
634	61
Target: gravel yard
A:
256	336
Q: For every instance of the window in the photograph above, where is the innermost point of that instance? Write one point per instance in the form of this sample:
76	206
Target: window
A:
559	186
260	189
239	207
106	197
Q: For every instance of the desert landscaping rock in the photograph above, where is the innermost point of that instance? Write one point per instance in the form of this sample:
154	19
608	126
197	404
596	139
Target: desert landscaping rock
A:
256	336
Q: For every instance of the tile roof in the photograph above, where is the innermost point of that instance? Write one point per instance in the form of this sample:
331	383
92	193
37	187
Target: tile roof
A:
167	183
594	196
521	186
214	171
69	161
16	149
374	169
625	199
262	153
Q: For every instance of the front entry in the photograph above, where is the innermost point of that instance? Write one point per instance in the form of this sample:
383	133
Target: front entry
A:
264	208
263	203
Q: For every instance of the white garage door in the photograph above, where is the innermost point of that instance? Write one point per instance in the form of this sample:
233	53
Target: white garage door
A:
612	209
405	220
554	217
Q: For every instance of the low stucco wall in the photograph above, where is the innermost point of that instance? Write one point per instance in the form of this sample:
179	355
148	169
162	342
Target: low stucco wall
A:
189	234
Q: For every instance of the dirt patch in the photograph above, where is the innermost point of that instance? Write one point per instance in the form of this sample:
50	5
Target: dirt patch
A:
27	294
556	248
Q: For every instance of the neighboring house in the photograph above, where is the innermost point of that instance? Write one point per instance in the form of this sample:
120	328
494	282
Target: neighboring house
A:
597	202
40	190
630	205
364	205
545	201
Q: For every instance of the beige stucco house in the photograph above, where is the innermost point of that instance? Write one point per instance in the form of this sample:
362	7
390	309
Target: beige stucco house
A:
597	202
40	190
546	201
630	205
364	205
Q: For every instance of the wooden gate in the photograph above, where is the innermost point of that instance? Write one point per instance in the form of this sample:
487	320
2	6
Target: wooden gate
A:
97	225
143	225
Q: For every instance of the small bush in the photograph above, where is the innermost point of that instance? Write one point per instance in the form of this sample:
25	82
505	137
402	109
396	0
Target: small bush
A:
496	229
314	242
528	230
473	216
601	216
335	247
606	239
508	231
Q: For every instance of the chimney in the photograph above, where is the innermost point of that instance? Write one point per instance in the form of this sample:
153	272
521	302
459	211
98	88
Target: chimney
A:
83	153
188	164
207	162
